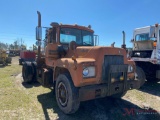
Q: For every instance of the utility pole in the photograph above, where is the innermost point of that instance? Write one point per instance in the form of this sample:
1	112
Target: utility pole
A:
21	43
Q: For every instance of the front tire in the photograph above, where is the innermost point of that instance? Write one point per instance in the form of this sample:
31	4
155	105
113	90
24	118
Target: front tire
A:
140	75
67	94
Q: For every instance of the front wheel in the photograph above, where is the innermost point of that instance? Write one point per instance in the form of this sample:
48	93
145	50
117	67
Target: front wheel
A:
67	94
140	75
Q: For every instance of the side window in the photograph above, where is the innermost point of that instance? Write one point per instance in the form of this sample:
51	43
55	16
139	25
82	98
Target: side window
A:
53	36
87	39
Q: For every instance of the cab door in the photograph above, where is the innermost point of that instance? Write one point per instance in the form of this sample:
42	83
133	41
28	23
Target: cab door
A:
51	47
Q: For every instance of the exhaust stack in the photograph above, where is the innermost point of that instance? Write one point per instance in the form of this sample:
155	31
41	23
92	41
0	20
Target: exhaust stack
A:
123	45
39	46
39	19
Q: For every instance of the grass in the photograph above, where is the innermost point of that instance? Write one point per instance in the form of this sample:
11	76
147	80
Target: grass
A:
22	101
15	102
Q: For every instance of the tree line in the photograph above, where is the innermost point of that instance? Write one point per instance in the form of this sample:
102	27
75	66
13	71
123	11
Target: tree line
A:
16	45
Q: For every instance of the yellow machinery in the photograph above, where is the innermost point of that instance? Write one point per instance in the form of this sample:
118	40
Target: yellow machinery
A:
4	59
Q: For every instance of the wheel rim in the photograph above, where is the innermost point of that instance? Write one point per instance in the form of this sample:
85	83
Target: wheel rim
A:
62	94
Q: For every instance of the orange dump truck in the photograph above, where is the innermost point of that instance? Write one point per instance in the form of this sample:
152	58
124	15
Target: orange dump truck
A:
77	69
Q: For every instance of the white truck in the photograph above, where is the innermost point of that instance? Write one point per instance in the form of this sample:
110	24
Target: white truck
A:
146	50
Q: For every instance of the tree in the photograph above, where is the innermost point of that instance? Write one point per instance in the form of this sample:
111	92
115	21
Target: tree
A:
3	46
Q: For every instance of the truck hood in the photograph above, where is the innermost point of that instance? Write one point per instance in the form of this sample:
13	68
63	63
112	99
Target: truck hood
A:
98	52
143	45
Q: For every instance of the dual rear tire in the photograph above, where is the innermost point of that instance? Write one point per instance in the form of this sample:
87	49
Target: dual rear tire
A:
28	72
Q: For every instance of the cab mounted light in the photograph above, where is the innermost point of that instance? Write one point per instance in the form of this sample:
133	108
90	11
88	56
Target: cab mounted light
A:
156	25
54	24
154	43
89	26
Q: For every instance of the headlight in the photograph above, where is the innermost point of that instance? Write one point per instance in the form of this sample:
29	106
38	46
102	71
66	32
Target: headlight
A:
89	71
130	68
85	71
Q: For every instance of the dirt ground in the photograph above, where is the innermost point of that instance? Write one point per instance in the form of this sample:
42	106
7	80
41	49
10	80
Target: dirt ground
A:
142	104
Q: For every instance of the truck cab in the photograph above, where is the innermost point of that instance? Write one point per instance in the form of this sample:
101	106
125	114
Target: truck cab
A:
146	50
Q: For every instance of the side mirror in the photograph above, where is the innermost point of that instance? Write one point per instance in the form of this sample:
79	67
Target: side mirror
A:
132	40
96	40
72	45
38	33
152	32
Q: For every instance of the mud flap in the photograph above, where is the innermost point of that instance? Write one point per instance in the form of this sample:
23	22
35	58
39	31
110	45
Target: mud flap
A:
45	77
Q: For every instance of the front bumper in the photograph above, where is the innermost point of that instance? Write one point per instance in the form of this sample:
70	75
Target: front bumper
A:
102	90
109	88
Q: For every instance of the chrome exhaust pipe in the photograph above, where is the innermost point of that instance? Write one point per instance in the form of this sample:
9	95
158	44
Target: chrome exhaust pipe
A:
124	40
39	47
39	19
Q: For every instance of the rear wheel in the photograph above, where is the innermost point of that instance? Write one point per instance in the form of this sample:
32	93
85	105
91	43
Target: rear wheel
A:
4	62
27	72
20	61
34	65
66	94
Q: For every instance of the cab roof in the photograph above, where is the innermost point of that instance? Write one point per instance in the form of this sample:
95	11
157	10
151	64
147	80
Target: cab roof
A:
55	24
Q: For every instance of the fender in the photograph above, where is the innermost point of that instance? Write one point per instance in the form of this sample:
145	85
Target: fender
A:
75	68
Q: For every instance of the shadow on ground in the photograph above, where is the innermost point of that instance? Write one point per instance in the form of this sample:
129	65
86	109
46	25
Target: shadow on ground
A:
151	87
2	66
100	109
30	85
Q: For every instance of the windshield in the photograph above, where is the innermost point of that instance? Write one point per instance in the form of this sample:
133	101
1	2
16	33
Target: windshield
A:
81	37
141	37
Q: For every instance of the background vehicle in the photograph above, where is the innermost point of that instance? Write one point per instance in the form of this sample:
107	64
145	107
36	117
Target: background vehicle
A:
29	56
146	50
4	59
13	53
77	69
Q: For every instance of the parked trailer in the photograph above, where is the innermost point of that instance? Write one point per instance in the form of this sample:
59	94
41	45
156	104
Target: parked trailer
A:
146	50
25	56
77	69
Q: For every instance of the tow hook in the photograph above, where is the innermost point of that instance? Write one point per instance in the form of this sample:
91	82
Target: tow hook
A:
117	88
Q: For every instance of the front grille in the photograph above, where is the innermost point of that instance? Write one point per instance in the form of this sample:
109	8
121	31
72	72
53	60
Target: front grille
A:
108	61
142	54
